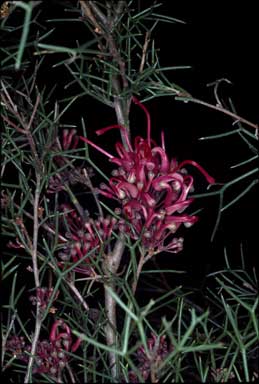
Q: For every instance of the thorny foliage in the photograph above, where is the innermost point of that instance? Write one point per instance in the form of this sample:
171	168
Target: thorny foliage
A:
73	262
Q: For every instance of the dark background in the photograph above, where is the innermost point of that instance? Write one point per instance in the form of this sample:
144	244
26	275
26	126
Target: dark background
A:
217	43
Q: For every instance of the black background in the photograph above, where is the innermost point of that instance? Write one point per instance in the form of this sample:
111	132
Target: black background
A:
217	42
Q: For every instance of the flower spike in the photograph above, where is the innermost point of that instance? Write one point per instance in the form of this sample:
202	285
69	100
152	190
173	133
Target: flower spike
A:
136	101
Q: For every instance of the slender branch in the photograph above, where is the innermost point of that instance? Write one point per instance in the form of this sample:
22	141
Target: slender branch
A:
121	105
216	84
74	200
77	294
144	51
34	246
143	259
4	339
70	284
89	14
73	380
110	267
13	125
44	225
36	277
104	26
53	267
220	109
139	269
98	13
90	185
33	112
11	107
117	57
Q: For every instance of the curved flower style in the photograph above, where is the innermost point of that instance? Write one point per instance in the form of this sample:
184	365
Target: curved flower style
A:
83	237
152	190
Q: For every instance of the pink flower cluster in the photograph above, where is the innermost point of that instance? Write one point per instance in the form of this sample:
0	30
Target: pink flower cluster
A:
83	237
151	189
158	350
51	356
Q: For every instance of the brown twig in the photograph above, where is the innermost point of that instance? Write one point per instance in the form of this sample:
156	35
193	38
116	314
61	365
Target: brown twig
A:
100	15
73	380
110	267
216	85
36	277
77	294
219	109
44	225
4	340
139	269
38	176
90	186
86	10
104	28
144	51
11	107
70	284
33	245
20	130
143	259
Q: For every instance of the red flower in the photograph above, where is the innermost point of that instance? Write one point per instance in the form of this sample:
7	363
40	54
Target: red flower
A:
152	190
63	338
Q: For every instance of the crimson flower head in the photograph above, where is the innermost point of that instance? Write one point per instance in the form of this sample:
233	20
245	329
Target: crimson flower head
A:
151	189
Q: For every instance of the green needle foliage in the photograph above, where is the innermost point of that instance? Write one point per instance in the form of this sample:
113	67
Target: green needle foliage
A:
74	312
